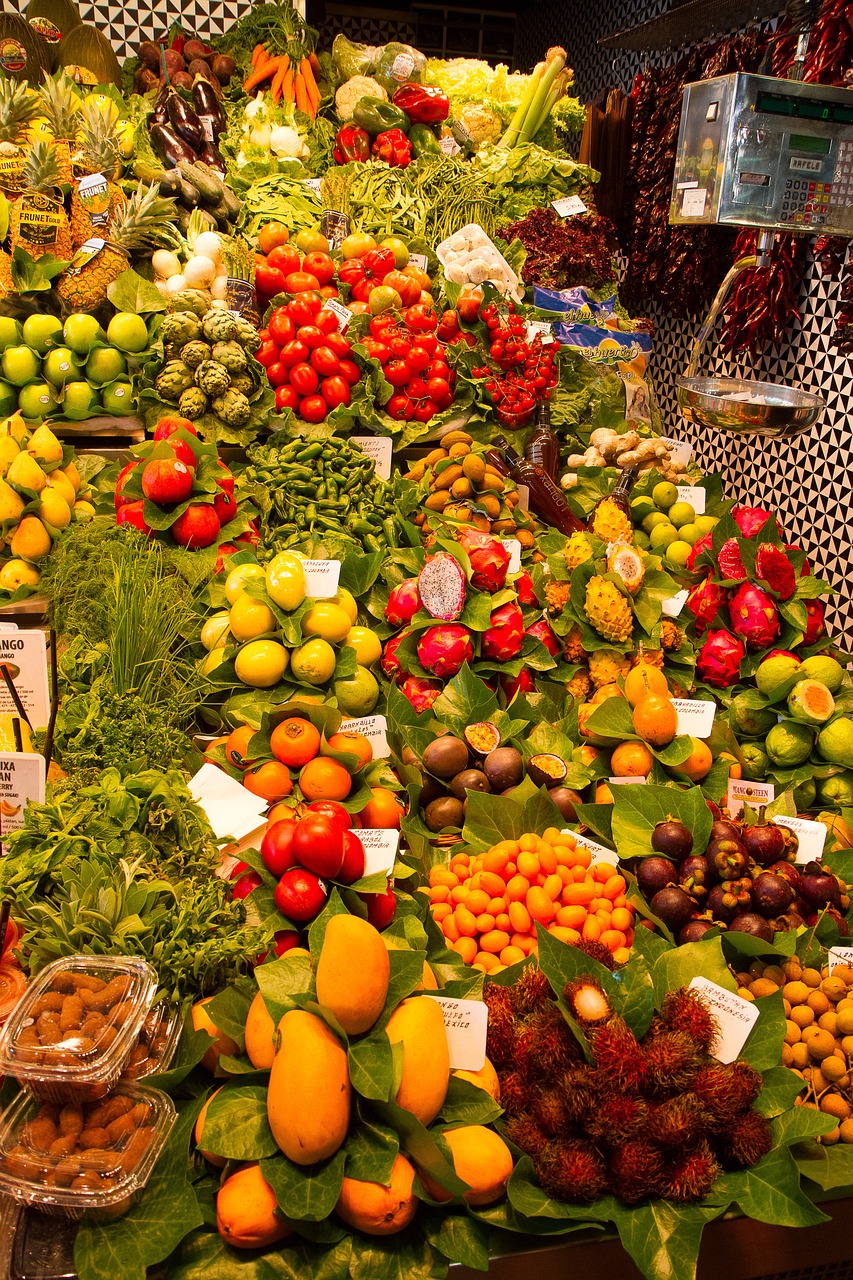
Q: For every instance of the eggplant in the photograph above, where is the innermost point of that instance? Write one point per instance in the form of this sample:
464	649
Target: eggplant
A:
207	104
169	147
213	158
160	114
184	120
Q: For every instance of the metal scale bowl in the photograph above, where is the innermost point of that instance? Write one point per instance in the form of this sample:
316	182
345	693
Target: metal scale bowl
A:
744	406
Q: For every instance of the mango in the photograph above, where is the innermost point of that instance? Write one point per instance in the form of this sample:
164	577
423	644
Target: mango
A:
418	1025
308	1098
378	1210
221	1042
353	973
486	1078
245	1211
428	982
260	1034
218	1161
481	1158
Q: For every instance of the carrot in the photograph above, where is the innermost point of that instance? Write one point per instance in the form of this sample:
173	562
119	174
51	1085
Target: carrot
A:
314	62
260	74
302	103
287	87
259	54
310	83
278	81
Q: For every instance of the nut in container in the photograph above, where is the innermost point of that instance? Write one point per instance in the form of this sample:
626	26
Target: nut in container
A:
156	1043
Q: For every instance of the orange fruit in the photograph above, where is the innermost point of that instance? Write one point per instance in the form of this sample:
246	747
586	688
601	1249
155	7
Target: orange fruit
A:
325	779
295	741
355	743
603	794
384	809
237	745
643	680
655	719
698	763
735	768
631	760
211	746
271	781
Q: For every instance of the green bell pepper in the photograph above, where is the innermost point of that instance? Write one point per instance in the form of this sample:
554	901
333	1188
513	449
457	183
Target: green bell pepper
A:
423	140
375	115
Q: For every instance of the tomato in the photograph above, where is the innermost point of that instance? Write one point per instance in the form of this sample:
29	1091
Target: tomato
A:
326	320
277	374
417	359
400	347
439	369
328	291
310	335
318	843
312	241
357	245
425	410
267	354
401	407
338	343
272	235
397	372
335	391
294	352
382	298
350	371
285	258
382	325
419	275
282	327
416	388
380	351
313	409
304	379
378	263
428	341
427	299
357	307
351	273
332	809
286	398
408	289
299	312
353	865
245	881
269	280
301	282
362	290
448	326
470	301
324	360
421	318
227	481
437	389
314	299
319	265
277	847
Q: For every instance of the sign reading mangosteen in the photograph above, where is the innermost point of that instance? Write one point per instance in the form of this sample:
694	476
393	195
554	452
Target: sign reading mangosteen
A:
378	448
343	313
321	578
24	654
22	777
735	1015
838	956
811	836
694	494
597	852
374	728
513	546
742	792
680	451
380	848
695	716
466	1023
672	607
569	206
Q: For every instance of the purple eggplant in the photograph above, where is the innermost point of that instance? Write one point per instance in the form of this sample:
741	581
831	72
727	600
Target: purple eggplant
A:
170	148
184	120
212	157
207	106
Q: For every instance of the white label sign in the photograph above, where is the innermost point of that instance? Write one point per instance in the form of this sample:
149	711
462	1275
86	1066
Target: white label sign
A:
627	782
22	777
375	729
338	309
811	835
466	1023
597	852
693	204
839	955
543	329
321	578
419	260
513	546
569	206
680	451
695	716
24	653
694	494
672	607
380	849
742	792
449	146
379	449
313	184
735	1015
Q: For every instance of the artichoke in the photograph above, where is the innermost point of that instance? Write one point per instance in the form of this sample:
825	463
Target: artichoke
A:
244	383
180	328
212	378
173	380
195	300
194	352
231	355
233	408
193	404
219	326
248	336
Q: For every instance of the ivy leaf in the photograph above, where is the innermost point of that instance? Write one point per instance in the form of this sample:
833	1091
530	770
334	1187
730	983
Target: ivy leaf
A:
236	1124
307	1192
360	571
371	1066
407	1255
770	1192
466	1103
280	980
229	1009
371	1148
638	810
458	1237
130	292
490	819
779	1089
420	1145
798	1124
35	276
636	1001
676	968
465	700
829	1167
763	1048
528	1198
540	812
664	1238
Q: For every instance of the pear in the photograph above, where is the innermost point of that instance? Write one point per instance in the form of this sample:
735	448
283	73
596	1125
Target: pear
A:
9	449
25	473
83	511
30	541
14	574
44	445
16	427
58	481
73	475
11	504
54	510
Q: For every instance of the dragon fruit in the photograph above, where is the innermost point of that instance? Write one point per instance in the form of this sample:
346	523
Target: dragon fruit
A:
421	692
403	602
773	567
524	589
729	561
542	630
522	683
705	601
444	650
700	545
806	569
815	627
391	666
750	519
754	616
718	661
505	635
489	560
780	653
441	584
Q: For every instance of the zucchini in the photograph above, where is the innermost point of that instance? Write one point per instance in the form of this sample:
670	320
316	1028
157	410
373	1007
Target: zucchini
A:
208	183
232	204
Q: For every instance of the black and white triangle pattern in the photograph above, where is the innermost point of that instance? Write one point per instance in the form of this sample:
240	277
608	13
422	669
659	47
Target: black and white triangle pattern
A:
128	25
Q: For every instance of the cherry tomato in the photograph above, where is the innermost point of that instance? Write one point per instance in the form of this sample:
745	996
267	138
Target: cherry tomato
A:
440	369
438	390
311	336
286	258
304	379
286	398
278	374
267	354
422	318
335	391
301	282
273	234
428	341
401	407
326	320
313	409
417	359
380	351
338	342
379	324
425	409
269	280
319	265
417	388
282	327
350	371
324	360
397	372
293	352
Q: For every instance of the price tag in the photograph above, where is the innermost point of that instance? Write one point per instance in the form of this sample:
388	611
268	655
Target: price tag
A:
343	313
569	206
741	792
695	716
22	778
207	132
419	260
380	849
694	494
466	1023
672	607
513	546
232	811
375	729
597	852
321	578
379	449
313	184
693	204
25	655
449	146
627	782
735	1015
839	955
680	451
811	836
543	328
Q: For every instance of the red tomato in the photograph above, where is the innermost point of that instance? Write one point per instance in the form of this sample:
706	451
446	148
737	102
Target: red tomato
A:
437	389
267	354
332	809
294	352
285	257
417	388
286	398
315	300
274	233
362	290
439	369
328	291
264	335
417	274
378	263
299	311
425	409
417	359
282	327
313	409
311	336
400	347
448	326
326	320
304	379
301	282
401	407
470	301
397	372
380	351
319	265
340	344
408	289
269	280
428	341
335	391
325	361
350	371
277	375
318	843
381	324
422	318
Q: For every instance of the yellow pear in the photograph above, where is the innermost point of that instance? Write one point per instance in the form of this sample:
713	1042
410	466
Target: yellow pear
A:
26	473
11	505
8	451
54	509
73	475
59	481
16	427
83	511
31	541
44	445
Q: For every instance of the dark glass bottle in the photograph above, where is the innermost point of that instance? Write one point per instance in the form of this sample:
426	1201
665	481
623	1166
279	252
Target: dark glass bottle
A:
620	494
543	447
546	497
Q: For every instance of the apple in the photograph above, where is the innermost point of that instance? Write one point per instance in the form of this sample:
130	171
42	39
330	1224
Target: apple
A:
19	365
381	907
78	400
60	365
10	332
399	250
128	332
300	895
123	477
37	401
105	364
80	332
197	527
117	398
167	480
41	332
225	506
131	513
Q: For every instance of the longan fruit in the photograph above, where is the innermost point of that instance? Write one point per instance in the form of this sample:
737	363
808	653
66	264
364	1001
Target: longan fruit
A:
774	973
833	1068
827	1022
796	992
834	1105
844	972
810	977
802	1016
787	1055
787	1006
847	1044
818	1082
746	994
792	1033
792	968
819	1002
834	989
830	1139
844	1022
800	1054
743	979
756	969
821	1045
845	1130
762	987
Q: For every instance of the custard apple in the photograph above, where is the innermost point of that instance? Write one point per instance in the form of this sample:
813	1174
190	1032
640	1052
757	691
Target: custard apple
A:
194	352
233	408
193	404
173	380
231	355
243	383
219	326
212	378
180	328
248	336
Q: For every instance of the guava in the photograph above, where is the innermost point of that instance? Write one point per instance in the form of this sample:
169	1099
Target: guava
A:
664	495
775	671
755	762
838	789
804	794
752	721
811	701
789	744
827	670
314	661
835	742
357	695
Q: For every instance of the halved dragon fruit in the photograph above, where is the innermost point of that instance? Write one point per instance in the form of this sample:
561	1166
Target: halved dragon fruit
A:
542	630
705	601
700	545
421	692
729	561
390	664
442	586
504	638
522	683
444	650
815	627
524	588
754	616
489	560
750	519
773	567
718	661
403	602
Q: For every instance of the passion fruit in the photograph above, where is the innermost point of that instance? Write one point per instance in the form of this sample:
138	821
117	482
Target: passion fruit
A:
469	780
446	756
504	767
447	811
567	801
482	737
546	770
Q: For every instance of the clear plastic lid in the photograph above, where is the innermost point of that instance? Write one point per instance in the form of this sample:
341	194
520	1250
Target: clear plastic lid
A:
156	1043
73	1030
89	1157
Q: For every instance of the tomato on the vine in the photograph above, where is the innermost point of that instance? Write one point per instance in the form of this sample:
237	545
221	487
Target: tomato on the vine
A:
428	341
401	407
400	347
380	351
397	372
438	390
425	409
418	359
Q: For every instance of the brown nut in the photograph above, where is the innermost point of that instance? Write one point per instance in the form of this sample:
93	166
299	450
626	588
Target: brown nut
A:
103	1114
39	1135
136	1148
64	1146
71	1119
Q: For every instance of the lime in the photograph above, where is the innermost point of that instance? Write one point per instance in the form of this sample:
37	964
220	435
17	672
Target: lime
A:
128	332
789	744
755	762
357	695
681	513
652	521
775	671
835	742
690	533
707	523
314	661
824	669
236	581
640	508
678	553
662	536
260	663
664	495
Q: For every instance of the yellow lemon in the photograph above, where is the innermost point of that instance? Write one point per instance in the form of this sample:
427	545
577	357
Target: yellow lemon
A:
327	620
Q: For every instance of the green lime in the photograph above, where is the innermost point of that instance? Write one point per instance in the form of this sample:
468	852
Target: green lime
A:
789	744
640	508
707	523
755	762
652	521
664	495
677	553
690	533
662	536
835	742
641	540
681	513
357	695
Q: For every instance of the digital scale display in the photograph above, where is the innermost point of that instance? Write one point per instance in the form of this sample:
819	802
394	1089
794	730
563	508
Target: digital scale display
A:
783	104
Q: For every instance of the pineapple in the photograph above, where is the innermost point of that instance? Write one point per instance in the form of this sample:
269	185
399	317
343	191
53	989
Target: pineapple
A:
142	223
94	209
38	223
60	105
18	109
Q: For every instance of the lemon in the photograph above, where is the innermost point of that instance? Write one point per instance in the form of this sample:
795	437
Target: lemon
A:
261	663
327	620
237	579
664	495
214	631
367	645
314	661
285	579
681	513
250	618
678	553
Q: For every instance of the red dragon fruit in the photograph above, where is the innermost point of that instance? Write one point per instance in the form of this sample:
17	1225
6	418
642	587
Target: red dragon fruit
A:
705	601
750	519
773	567
754	616
718	661
403	602
815	627
806	569
522	683
421	692
392	668
525	589
700	545
444	650
780	653
542	630
505	636
729	561
442	585
489	560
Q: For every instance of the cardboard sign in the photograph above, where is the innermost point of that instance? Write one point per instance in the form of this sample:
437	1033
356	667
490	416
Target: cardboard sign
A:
735	1015
672	607
379	449
380	849
321	578
313	184
838	956
754	794
543	328
627	782
419	260
25	654
22	778
375	729
695	716
597	852
338	309
466	1023
569	206
811	835
680	451
694	494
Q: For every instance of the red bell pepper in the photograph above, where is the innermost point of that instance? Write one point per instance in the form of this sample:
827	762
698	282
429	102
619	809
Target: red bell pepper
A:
422	103
351	143
393	147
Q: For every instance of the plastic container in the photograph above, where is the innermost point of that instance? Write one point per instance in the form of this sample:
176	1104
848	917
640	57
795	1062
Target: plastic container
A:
469	257
83	1159
156	1043
70	1036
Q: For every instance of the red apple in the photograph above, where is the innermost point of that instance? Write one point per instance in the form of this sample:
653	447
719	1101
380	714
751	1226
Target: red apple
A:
225	506
123	477
197	527
166	480
131	513
277	847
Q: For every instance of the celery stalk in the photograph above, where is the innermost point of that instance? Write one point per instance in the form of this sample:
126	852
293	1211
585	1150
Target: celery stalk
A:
554	64
510	137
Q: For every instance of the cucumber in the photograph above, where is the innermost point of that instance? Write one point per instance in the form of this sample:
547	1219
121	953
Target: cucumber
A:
208	184
170	183
146	172
190	196
231	203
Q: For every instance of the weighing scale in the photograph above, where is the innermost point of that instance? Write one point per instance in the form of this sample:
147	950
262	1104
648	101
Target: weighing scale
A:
777	155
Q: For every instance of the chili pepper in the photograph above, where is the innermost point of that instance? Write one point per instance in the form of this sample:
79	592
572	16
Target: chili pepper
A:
422	103
377	116
423	140
393	147
351	143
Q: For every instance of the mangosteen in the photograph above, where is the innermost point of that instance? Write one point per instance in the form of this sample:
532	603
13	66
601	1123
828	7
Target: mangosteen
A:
818	888
504	767
446	756
695	930
546	770
790	920
567	802
764	842
654	874
721	909
673	907
695	875
771	894
789	871
672	838
756	926
469	780
728	857
482	737
447	811
722	829
714	809
431	790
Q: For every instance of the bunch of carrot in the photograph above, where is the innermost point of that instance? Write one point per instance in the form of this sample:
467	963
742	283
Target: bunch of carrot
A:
288	81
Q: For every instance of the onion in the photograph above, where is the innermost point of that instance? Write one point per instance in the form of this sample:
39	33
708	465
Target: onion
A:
165	263
175	283
208	245
219	288
199	272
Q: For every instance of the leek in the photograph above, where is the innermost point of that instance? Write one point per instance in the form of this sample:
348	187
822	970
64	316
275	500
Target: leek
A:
555	62
510	138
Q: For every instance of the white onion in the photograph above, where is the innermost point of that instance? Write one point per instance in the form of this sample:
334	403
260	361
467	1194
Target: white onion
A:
176	283
219	288
199	272
219	304
165	263
208	245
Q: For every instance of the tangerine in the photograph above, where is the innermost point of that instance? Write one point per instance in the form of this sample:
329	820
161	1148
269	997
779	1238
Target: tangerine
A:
384	809
237	745
325	779
271	781
355	743
631	760
295	741
655	719
643	680
698	763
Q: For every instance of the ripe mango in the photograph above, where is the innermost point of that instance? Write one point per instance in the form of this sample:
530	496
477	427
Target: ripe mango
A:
308	1098
260	1034
353	973
481	1158
218	1161
245	1211
418	1025
378	1210
221	1042
486	1078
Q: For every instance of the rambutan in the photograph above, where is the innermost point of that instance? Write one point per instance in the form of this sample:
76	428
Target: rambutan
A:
744	1141
549	1111
531	991
497	998
637	1169
583	1088
617	1052
514	1092
672	1060
725	1090
617	1119
679	1122
685	1010
525	1133
500	1036
693	1175
586	1001
571	1171
549	1044
596	951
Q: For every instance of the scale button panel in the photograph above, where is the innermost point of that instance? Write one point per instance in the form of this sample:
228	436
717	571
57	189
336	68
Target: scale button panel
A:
805	203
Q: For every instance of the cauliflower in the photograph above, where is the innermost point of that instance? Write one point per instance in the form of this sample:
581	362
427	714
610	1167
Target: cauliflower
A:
194	352
219	326
233	408
180	328
230	355
479	122
247	335
352	90
193	403
173	380
212	378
